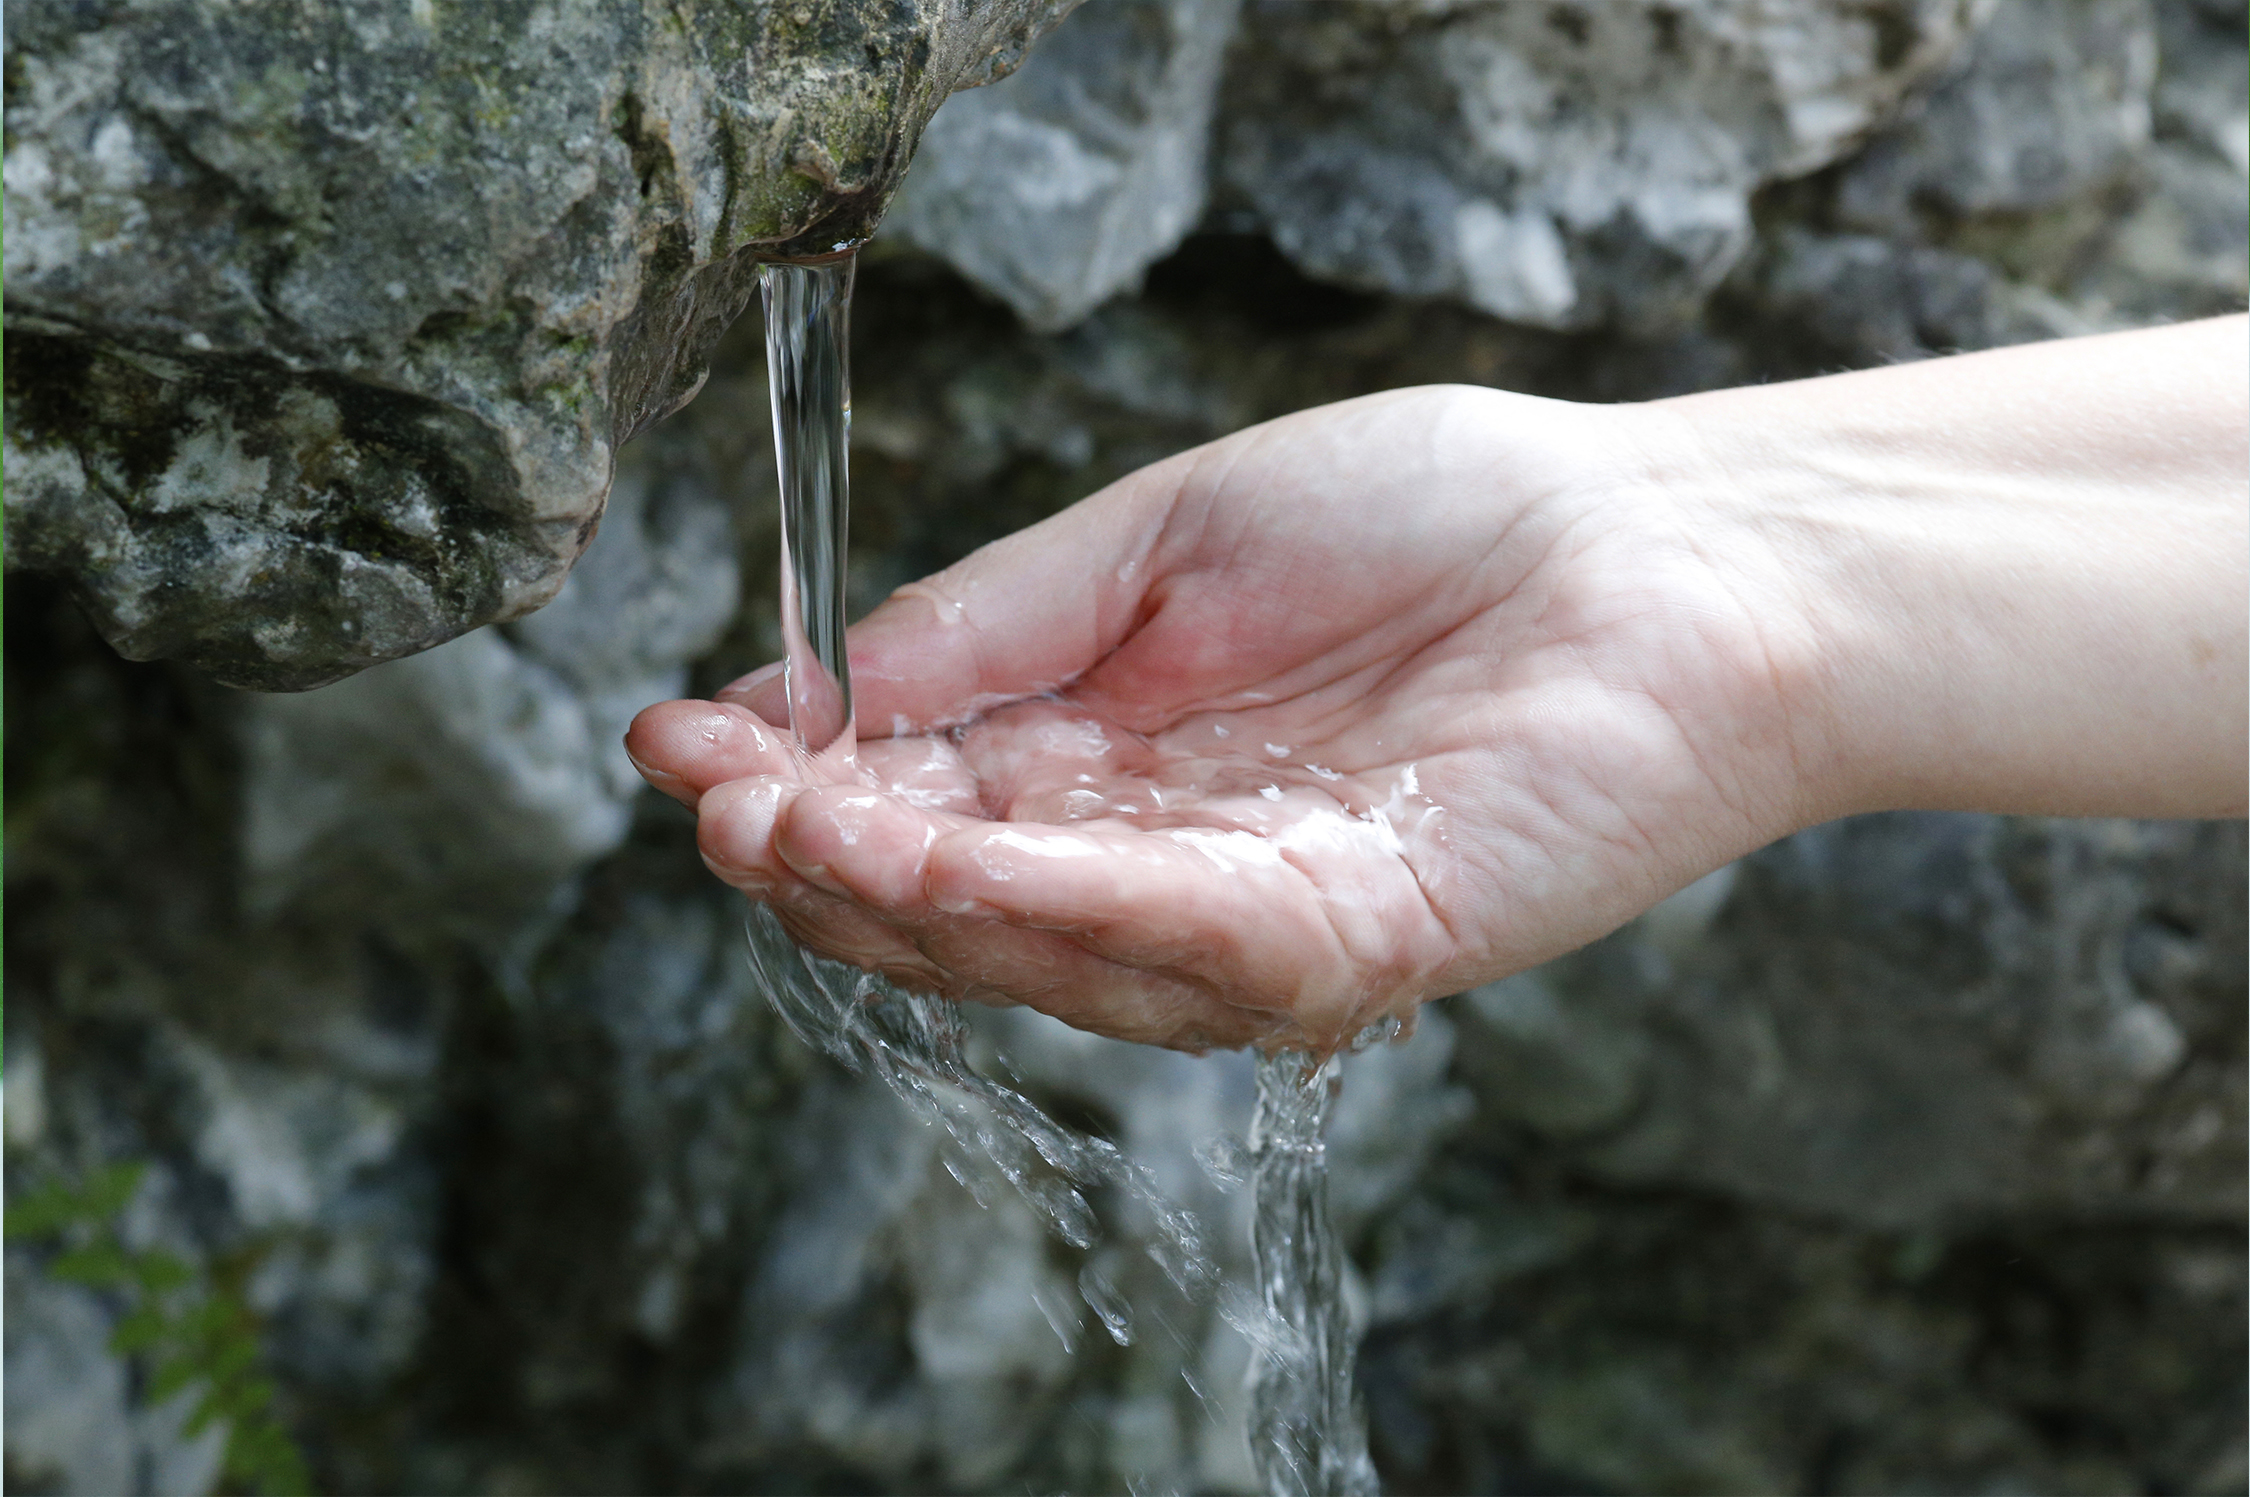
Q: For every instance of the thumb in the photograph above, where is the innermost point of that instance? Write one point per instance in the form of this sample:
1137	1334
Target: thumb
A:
1028	613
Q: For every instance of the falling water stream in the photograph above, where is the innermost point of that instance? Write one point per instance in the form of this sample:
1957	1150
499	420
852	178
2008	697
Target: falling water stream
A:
1306	1435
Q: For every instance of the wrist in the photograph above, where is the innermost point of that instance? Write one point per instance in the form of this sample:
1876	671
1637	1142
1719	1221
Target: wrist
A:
1778	727
2015	579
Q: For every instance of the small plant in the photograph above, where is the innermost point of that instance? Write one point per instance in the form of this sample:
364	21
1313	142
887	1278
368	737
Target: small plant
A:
189	1331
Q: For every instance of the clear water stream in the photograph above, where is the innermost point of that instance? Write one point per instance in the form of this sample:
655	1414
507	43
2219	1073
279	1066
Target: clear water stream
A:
1307	1437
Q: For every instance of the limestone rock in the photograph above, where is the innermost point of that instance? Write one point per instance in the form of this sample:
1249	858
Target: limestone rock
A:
1563	166
1904	1156
1055	188
1998	1016
327	324
515	731
2076	172
2056	99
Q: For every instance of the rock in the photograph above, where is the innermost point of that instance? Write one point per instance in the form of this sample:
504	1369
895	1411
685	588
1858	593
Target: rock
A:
2030	197
515	731
1563	166
1904	1156
2055	100
1055	188
328	325
1907	1021
72	1426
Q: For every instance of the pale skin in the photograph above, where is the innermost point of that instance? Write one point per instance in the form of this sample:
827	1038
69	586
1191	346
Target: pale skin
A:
1388	698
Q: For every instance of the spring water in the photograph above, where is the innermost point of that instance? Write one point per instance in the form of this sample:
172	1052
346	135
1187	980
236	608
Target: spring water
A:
1306	1435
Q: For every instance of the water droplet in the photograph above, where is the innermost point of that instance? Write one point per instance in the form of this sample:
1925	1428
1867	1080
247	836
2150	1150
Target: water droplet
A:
1224	1159
1108	1305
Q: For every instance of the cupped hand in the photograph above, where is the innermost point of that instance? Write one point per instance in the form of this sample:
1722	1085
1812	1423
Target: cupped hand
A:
1279	737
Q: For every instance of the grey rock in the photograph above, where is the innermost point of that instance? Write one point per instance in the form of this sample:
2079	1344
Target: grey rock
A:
2183	248
2073	174
72	1425
328	324
1863	296
1397	1106
1897	1158
972	1289
1560	1071
2202	98
1055	188
1563	166
1909	1020
459	790
2055	100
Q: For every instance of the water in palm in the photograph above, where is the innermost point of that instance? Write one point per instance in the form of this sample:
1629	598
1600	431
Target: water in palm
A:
1307	1438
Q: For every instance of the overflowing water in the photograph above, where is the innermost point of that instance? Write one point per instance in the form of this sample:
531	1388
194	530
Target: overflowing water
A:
1306	1435
1307	1432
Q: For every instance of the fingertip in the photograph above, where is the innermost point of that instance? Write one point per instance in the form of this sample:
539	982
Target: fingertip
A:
685	748
861	843
734	831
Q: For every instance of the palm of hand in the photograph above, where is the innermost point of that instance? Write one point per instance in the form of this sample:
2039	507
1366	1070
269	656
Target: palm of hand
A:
1343	731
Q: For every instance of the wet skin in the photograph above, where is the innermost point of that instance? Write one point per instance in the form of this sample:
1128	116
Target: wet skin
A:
1286	734
1274	739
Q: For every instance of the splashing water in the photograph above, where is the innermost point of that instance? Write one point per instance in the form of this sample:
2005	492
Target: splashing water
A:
1306	1436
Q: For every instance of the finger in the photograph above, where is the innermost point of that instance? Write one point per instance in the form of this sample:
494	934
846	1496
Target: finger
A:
1060	978
872	847
841	929
925	772
1225	910
734	830
1022	615
685	748
1322	922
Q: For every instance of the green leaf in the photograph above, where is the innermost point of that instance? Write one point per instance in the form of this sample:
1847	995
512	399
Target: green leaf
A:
247	1399
207	1323
207	1413
143	1329
97	1265
109	1189
171	1375
42	1212
230	1361
160	1272
263	1456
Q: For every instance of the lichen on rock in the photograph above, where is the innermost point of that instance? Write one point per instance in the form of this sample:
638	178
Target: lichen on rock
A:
329	322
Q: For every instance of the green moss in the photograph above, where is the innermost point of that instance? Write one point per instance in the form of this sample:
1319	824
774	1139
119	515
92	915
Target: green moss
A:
193	1330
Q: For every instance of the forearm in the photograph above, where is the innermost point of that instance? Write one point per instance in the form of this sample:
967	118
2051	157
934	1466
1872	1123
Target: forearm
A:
2013	581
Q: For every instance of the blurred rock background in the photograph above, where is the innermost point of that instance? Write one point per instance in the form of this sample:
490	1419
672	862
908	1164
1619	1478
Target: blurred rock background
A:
1905	1155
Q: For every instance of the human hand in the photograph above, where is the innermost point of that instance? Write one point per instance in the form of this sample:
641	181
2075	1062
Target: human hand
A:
1279	737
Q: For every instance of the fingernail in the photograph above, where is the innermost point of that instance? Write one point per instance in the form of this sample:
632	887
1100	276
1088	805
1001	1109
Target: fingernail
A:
665	781
749	881
655	776
744	685
816	874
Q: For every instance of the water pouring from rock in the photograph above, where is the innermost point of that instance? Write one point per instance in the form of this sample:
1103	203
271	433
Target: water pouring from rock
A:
808	364
1307	1438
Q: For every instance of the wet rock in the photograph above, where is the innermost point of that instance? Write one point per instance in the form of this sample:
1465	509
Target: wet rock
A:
1056	187
1909	1021
1561	166
516	731
1904	1156
327	326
